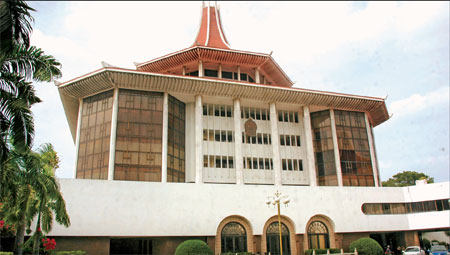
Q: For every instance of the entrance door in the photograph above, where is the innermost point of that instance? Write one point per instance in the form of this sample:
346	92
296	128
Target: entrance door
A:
273	239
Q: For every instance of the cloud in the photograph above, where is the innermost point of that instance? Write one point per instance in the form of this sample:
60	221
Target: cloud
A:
416	102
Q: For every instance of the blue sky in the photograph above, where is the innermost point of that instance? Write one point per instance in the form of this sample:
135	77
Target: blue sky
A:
398	50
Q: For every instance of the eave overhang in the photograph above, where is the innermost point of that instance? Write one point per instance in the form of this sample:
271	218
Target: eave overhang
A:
225	56
71	92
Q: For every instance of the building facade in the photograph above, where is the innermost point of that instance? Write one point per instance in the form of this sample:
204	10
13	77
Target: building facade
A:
189	145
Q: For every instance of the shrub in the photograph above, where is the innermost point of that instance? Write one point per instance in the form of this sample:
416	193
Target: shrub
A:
191	247
366	246
426	243
69	252
237	253
6	253
322	251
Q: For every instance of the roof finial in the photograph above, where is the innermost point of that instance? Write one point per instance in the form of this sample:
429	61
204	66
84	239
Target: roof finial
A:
210	32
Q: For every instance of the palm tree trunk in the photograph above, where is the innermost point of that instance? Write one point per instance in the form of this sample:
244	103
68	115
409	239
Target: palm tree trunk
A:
37	238
19	238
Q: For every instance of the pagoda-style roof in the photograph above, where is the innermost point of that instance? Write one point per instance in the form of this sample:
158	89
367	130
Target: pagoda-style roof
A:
211	33
264	62
212	49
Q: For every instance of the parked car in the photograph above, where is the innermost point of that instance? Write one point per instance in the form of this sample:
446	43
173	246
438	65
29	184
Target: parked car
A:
438	250
413	250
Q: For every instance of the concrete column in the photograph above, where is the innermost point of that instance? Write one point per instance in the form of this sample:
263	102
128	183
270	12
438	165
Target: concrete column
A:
372	151
380	184
309	147
220	71
165	131
239	166
275	144
184	70
112	143
200	68
257	77
77	138
239	73
337	158
198	139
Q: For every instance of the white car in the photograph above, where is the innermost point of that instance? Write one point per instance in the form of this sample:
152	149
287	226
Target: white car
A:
413	250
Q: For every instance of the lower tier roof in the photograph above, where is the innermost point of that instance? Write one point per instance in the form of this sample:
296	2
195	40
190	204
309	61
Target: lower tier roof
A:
113	77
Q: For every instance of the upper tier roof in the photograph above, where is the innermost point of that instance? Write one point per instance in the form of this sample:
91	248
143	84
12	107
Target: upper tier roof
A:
264	62
210	32
211	47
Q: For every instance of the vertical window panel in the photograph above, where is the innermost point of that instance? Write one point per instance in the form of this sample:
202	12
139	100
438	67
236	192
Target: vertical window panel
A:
139	136
176	129
95	132
323	148
354	148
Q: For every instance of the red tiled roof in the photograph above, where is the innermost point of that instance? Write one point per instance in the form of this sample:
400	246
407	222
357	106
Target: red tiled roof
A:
210	32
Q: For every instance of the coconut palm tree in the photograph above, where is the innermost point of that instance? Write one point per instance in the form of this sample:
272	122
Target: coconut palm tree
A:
34	192
20	64
17	69
15	27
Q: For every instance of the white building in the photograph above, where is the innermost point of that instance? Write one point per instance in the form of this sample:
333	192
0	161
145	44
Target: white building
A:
189	145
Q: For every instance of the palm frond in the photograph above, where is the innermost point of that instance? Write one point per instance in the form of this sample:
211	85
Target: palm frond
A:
31	63
47	219
15	27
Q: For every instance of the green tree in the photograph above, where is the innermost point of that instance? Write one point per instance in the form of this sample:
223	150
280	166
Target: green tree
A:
15	27
20	64
34	192
406	178
426	243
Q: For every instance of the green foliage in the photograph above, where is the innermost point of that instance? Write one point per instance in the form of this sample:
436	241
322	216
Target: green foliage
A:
79	252
322	251
6	253
406	178
15	24
366	246
191	247
426	243
34	191
20	64
237	253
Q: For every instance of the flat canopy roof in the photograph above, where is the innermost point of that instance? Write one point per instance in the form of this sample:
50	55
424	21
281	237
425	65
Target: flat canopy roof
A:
113	77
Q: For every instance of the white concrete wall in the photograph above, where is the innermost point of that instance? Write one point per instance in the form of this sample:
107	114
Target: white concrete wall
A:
127	208
190	142
438	235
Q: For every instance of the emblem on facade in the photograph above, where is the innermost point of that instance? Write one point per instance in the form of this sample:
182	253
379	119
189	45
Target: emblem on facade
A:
250	127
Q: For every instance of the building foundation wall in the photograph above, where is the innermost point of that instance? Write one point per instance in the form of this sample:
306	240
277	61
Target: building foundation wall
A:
348	238
92	245
412	238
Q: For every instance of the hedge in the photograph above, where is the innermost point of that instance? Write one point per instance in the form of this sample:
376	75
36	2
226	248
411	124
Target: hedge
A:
237	253
69	252
322	251
367	246
191	247
6	253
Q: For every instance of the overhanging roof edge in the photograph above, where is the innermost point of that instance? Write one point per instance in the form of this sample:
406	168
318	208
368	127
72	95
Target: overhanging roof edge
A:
265	86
